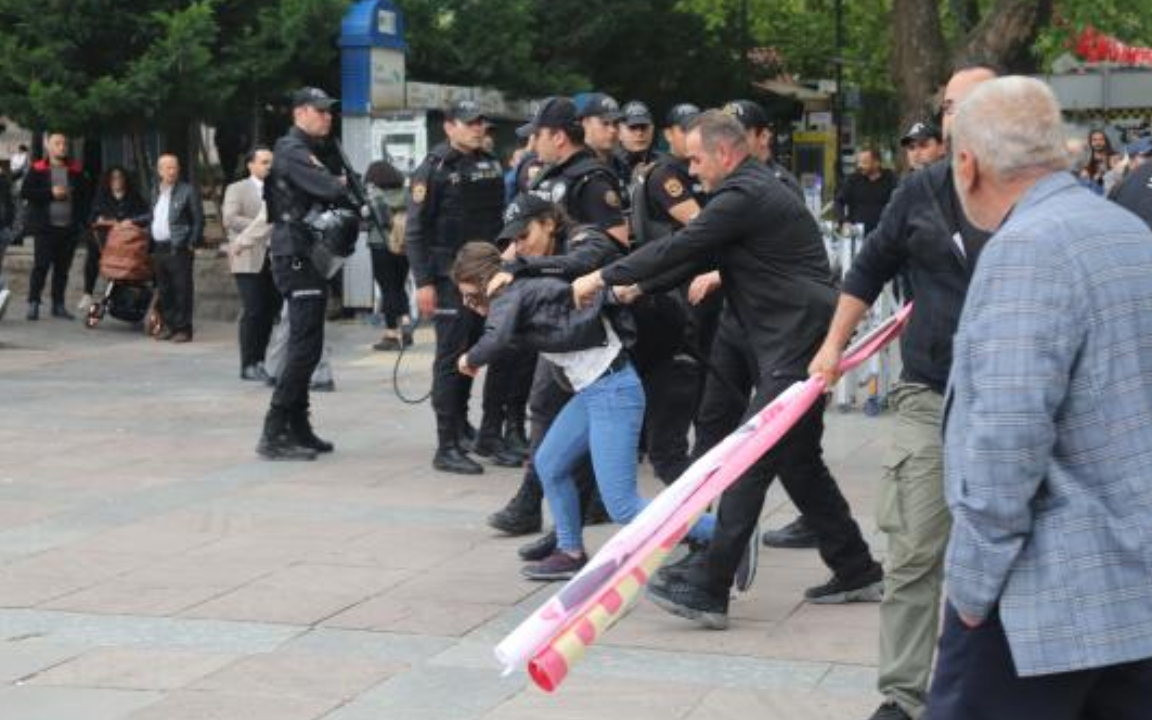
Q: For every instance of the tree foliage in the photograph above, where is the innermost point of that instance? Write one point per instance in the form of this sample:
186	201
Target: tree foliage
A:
91	65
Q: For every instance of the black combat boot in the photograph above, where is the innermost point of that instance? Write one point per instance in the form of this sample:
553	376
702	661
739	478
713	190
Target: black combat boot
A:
300	428
451	459
277	443
522	515
515	439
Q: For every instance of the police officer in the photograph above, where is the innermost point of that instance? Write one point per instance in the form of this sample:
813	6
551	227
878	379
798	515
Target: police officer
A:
574	177
456	195
297	184
600	117
674	335
637	133
759	131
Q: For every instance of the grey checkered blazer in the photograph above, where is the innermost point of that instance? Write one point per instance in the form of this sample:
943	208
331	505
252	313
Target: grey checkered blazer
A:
1048	434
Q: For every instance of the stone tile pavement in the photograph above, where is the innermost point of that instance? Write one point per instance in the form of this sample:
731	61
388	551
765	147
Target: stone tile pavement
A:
152	568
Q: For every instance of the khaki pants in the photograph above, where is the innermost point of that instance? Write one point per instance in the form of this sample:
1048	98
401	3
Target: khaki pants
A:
911	511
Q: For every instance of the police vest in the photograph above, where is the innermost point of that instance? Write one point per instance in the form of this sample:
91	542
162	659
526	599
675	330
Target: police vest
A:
645	228
470	205
563	187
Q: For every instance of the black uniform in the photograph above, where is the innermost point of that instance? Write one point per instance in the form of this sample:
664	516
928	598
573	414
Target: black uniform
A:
455	197
298	182
776	283
585	187
673	333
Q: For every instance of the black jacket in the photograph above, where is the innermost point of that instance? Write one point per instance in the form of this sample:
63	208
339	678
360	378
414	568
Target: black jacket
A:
298	180
538	314
185	214
130	207
37	190
924	234
579	252
771	258
861	200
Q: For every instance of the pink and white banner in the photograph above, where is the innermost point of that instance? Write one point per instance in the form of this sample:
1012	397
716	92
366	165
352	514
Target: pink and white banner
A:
551	640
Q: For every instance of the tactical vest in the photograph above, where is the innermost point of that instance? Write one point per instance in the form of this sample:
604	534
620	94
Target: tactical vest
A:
470	205
563	187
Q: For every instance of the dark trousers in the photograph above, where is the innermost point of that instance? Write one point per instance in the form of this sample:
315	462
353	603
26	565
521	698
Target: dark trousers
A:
797	459
92	260
260	305
507	386
976	680
672	387
306	293
457	328
390	271
173	268
54	250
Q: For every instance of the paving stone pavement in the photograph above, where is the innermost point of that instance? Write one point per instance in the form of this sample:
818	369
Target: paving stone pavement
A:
152	568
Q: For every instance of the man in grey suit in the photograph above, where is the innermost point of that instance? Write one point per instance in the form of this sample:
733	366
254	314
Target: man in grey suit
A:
249	232
177	228
1047	450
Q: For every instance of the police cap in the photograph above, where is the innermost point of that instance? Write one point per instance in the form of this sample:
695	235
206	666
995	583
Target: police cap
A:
749	113
314	97
553	112
465	111
681	114
921	131
637	113
523	209
601	106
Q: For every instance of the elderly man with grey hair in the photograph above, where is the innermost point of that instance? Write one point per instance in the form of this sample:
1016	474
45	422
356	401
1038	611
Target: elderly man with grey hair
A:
1048	458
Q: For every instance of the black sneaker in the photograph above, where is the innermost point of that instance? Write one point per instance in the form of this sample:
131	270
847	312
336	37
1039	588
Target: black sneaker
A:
686	600
796	535
539	548
865	587
890	711
557	566
680	569
746	570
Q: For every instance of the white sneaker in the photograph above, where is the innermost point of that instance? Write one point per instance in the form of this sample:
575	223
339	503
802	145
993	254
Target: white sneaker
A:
5	295
84	304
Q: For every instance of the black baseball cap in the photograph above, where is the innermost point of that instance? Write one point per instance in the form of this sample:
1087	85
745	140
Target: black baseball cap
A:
315	97
750	114
465	111
523	209
636	113
921	131
601	106
681	114
553	112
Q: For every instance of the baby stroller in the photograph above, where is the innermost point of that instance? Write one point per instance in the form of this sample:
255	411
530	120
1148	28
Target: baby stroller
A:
126	266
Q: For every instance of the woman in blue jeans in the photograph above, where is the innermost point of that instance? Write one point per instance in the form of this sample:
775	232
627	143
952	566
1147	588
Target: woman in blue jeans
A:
588	350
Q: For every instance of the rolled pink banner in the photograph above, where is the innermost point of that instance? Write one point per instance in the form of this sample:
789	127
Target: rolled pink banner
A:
554	638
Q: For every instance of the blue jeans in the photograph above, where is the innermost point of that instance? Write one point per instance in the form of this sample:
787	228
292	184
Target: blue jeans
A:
604	419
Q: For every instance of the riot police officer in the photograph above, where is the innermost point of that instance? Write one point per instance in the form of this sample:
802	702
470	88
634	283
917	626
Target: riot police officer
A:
456	195
299	185
574	177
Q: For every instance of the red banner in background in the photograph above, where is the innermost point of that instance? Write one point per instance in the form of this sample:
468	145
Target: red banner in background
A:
1094	46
